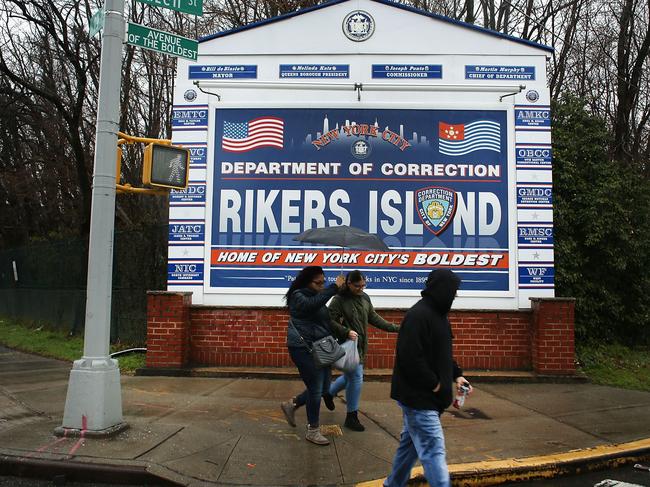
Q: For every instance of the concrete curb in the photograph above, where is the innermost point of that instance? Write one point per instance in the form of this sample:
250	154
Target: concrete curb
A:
78	471
535	468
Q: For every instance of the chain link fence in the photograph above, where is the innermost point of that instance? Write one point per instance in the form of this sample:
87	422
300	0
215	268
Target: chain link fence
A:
46	282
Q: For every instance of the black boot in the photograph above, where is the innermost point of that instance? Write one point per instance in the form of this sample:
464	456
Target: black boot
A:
328	399
352	422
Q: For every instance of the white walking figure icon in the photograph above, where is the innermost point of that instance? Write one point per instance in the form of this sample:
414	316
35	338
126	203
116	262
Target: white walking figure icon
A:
176	166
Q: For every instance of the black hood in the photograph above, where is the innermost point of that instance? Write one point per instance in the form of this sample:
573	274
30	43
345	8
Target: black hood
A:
441	287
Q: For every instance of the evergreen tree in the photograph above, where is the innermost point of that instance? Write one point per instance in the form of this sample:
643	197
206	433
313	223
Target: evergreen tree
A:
602	236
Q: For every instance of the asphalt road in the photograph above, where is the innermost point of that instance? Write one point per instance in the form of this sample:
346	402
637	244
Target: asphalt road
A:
59	481
627	474
624	476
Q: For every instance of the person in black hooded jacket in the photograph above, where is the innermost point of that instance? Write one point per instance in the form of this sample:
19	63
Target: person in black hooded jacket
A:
423	378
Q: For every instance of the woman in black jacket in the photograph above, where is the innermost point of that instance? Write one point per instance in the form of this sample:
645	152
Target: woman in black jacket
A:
309	320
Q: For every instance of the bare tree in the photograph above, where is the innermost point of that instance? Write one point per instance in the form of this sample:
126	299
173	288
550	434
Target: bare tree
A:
632	48
44	55
50	76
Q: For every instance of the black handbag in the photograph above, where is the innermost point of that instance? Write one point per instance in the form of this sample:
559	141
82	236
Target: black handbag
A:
325	351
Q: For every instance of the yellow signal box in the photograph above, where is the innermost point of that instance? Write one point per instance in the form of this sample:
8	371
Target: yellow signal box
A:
166	166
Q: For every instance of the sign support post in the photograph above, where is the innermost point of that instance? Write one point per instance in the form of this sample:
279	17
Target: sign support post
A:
93	404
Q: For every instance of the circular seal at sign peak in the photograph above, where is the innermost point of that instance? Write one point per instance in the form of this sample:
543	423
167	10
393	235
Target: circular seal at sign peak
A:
358	25
189	95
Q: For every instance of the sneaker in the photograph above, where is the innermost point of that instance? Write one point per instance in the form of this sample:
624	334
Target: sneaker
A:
352	422
314	435
289	410
328	399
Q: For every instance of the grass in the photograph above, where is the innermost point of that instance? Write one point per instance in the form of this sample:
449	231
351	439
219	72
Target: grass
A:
616	365
39	339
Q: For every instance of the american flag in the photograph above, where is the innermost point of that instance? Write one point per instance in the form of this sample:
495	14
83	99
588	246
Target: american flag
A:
460	139
256	133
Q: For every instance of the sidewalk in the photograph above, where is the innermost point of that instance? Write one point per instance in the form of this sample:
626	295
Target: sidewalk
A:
204	431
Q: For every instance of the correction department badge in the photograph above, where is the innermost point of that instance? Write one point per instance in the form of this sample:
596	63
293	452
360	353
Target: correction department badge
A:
358	26
436	207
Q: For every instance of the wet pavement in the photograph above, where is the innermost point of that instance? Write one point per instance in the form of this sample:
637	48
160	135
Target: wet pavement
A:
230	430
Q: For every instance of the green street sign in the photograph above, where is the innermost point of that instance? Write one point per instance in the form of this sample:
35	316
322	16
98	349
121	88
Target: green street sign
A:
160	41
194	7
96	22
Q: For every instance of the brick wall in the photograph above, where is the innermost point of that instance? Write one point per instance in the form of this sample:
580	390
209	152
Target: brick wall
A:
495	340
553	346
168	333
540	339
239	337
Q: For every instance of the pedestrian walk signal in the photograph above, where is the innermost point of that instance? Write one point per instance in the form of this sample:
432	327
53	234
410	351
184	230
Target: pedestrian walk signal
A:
166	166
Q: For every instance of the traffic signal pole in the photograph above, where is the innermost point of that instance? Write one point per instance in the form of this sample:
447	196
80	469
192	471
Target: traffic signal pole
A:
93	404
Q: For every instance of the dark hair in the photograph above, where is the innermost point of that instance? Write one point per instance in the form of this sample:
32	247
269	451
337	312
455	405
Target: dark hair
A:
304	277
354	276
351	277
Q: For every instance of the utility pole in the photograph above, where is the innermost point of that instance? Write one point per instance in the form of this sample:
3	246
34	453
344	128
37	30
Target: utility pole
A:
93	405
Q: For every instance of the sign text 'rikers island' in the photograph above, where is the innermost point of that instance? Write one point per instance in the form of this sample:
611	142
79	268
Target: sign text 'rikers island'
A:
392	212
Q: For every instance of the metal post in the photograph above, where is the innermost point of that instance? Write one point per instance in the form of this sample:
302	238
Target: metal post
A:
93	404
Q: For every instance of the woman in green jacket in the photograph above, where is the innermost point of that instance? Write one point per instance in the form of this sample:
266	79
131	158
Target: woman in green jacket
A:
352	309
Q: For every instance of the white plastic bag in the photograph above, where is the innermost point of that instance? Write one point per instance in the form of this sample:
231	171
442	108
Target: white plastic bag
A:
351	359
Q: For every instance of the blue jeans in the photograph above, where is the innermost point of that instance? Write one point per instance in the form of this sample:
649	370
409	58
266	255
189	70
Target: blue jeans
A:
421	438
317	380
352	383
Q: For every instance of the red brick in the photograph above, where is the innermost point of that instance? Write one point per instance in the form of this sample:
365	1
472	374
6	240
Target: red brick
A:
484	339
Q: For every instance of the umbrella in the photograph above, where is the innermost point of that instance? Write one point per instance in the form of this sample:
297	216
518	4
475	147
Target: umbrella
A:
343	236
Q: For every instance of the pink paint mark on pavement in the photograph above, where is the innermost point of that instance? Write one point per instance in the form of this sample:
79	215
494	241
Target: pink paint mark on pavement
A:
46	446
80	441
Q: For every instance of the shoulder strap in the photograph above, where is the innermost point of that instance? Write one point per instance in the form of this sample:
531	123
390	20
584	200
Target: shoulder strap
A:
301	338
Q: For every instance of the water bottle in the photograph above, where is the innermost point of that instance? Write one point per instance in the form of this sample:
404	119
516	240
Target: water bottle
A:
459	400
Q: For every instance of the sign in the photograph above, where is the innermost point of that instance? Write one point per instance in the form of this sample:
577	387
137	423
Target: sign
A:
397	71
314	70
535	196
536	276
193	195
194	7
540	235
96	22
198	154
187	272
223	71
490	72
160	41
432	184
189	117
186	232
533	118
534	156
